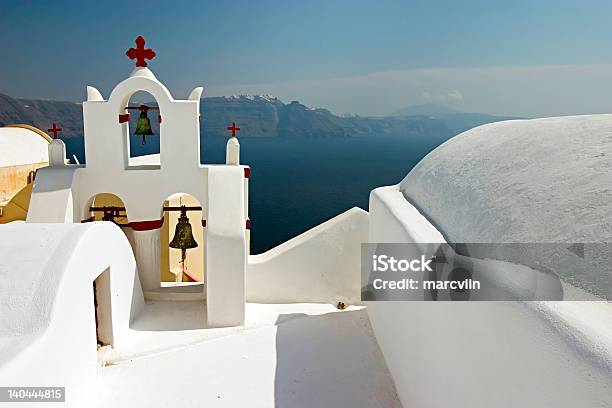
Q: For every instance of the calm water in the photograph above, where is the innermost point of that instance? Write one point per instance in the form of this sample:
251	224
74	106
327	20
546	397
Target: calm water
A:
296	184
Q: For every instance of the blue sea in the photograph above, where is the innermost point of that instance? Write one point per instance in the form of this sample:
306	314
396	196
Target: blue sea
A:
296	184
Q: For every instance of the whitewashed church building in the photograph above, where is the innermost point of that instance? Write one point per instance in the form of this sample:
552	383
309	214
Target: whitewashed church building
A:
83	304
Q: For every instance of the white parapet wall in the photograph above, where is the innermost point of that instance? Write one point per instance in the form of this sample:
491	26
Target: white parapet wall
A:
226	248
322	265
53	195
487	354
47	315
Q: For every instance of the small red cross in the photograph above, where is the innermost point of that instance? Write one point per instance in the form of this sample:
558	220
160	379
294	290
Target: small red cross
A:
55	130
140	53
234	129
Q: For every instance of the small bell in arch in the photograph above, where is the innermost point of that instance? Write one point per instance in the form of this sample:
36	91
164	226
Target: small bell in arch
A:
143	126
183	237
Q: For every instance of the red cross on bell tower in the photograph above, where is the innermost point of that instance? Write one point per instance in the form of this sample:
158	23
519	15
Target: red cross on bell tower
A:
233	128
140	53
55	130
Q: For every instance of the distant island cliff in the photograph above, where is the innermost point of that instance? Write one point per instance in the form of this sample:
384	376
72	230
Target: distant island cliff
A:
260	116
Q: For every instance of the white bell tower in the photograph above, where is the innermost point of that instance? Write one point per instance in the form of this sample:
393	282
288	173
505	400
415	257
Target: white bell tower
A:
143	188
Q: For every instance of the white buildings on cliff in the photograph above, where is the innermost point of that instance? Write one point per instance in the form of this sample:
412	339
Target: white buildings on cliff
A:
83	305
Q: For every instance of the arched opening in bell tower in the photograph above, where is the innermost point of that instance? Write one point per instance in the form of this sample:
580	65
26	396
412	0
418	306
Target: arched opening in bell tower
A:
108	207
143	122
183	240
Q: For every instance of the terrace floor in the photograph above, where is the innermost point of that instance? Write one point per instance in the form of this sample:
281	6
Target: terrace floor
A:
291	355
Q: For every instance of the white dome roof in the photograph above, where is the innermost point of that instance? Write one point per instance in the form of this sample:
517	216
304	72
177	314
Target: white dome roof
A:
538	180
526	181
20	145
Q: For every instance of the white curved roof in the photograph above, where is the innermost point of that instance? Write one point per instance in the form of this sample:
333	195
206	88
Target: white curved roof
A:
538	180
524	181
20	146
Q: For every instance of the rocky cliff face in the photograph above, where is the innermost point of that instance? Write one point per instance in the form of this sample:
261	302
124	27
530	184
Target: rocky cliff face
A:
41	114
257	116
296	120
264	116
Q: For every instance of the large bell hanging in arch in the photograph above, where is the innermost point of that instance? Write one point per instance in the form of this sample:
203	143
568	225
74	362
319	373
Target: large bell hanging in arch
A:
183	235
143	126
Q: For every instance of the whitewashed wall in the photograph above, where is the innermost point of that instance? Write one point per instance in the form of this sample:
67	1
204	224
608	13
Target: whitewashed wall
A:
487	354
53	196
47	323
322	265
226	251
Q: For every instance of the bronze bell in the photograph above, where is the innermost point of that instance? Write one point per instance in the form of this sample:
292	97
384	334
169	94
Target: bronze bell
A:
183	236
143	126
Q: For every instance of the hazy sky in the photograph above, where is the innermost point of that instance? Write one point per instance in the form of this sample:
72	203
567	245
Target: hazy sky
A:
527	58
